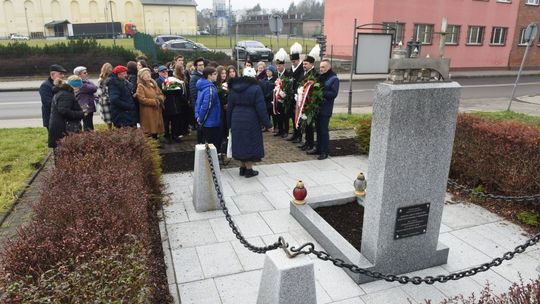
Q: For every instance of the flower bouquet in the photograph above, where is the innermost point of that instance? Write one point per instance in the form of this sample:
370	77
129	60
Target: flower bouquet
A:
308	100
172	83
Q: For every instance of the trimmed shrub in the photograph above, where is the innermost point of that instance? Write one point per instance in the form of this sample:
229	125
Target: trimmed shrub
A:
102	194
503	156
20	59
363	134
517	293
498	156
93	281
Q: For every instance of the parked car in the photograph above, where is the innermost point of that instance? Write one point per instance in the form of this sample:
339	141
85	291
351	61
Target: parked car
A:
18	37
252	50
203	33
184	46
161	39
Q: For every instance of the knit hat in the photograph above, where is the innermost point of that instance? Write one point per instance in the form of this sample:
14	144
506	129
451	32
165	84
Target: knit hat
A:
272	68
75	83
250	72
78	70
119	69
162	68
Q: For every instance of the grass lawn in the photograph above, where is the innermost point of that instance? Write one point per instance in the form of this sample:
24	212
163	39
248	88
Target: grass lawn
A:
346	121
21	150
509	115
209	41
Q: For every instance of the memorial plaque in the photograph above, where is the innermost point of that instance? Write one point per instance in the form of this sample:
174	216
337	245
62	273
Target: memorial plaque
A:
411	221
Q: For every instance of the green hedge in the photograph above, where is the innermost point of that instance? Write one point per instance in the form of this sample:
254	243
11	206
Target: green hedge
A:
500	151
20	59
96	219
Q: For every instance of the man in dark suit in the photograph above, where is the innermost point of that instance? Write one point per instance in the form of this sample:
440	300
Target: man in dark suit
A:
309	70
330	83
297	74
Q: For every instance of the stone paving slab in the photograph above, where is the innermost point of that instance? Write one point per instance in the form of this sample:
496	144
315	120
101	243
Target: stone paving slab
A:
211	266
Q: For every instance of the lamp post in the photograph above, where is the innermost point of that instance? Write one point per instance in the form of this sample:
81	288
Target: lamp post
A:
112	24
229	25
26	17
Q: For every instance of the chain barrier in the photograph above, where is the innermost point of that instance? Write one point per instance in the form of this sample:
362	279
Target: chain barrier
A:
309	248
280	242
517	199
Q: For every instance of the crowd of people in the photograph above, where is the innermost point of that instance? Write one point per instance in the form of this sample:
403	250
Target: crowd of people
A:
226	109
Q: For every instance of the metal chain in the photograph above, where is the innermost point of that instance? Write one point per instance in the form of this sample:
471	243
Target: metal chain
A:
280	242
309	248
517	199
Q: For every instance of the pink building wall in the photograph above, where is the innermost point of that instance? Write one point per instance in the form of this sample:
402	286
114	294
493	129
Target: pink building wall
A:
339	20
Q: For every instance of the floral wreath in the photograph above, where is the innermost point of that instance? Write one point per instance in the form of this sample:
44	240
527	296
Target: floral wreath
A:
308	101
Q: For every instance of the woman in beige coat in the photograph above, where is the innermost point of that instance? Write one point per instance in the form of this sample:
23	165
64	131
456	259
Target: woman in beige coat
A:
150	100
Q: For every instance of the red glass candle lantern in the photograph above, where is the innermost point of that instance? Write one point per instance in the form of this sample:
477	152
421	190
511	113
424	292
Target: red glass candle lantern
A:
299	193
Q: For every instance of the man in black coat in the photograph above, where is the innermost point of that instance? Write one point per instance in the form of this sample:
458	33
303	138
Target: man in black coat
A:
297	74
46	92
330	84
309	70
199	64
282	117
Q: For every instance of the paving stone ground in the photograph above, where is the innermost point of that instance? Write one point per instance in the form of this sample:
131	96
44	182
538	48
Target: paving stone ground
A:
207	264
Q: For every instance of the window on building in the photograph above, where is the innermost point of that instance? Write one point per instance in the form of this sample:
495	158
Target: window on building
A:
475	36
532	2
505	1
452	34
522	37
423	33
498	35
400	30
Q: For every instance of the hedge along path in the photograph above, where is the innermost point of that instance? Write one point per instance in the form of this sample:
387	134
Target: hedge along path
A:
102	195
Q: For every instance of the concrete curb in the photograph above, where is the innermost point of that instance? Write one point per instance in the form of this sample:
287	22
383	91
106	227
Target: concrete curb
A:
20	193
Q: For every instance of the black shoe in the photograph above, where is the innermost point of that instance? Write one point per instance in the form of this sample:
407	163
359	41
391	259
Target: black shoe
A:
291	138
307	147
242	171
302	146
277	134
313	151
177	139
251	173
284	135
297	140
322	156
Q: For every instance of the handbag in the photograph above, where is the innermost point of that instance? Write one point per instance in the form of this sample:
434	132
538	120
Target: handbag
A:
229	145
73	126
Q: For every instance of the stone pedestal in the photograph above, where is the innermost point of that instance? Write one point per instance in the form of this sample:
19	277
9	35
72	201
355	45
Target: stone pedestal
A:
286	281
412	135
204	193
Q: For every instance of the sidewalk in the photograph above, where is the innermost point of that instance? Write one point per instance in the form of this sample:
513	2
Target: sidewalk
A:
207	264
33	85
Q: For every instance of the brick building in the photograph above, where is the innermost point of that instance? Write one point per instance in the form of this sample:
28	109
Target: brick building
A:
528	12
483	34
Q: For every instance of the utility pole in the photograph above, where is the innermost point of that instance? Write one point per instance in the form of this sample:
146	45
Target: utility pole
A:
170	30
112	24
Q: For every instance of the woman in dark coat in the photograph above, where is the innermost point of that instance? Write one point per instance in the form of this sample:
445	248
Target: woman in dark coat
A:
66	113
246	112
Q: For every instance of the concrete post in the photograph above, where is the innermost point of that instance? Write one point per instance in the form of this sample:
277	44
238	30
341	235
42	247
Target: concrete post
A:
286	281
204	193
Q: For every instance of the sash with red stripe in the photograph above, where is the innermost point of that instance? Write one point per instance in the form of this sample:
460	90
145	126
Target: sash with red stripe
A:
300	106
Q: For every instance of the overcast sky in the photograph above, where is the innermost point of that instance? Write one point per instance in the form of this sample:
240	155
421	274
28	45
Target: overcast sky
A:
239	4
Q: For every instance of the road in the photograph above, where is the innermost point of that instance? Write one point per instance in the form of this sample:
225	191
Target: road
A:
25	105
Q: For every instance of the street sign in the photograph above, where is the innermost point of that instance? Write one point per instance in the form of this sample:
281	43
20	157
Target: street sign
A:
531	32
276	24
